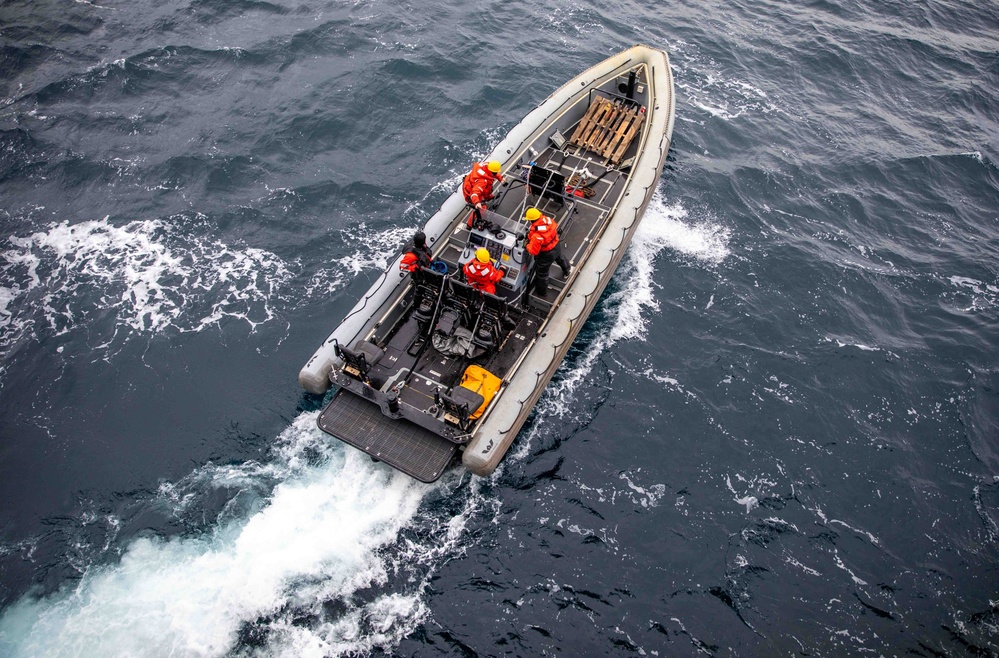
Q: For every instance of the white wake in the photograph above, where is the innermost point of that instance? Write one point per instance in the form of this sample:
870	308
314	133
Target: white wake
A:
320	535
663	227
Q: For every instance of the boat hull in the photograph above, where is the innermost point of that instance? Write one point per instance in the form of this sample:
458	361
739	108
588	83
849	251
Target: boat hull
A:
499	426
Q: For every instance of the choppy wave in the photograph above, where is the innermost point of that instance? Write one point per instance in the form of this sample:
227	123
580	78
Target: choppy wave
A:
664	227
814	350
372	252
716	92
977	295
302	536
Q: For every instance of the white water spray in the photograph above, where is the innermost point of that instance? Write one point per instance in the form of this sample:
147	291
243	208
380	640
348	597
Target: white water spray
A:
702	243
319	537
662	227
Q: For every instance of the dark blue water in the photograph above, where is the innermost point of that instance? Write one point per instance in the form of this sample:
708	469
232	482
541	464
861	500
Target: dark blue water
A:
778	434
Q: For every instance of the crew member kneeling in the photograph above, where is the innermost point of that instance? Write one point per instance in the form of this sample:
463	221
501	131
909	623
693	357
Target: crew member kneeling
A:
542	243
481	274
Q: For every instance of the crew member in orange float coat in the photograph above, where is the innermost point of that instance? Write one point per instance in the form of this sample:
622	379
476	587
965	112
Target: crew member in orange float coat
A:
542	243
478	185
418	255
481	274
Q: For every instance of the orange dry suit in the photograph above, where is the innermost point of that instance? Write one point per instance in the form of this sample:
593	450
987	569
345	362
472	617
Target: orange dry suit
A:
482	276
415	258
542	243
543	235
478	185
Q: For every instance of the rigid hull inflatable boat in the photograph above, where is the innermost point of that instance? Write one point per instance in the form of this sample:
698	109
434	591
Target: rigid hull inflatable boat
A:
426	366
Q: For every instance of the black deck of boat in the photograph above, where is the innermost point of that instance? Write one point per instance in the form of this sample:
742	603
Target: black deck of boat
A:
418	451
576	232
399	443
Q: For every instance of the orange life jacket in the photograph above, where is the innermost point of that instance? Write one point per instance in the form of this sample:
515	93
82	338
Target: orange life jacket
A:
414	258
543	235
478	184
482	276
409	262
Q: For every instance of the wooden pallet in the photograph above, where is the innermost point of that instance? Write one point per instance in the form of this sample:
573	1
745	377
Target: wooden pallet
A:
607	129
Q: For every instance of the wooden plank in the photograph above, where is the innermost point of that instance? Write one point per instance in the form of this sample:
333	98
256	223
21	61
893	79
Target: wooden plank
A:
607	129
599	146
586	123
599	119
607	113
601	136
620	132
629	134
629	137
603	119
613	130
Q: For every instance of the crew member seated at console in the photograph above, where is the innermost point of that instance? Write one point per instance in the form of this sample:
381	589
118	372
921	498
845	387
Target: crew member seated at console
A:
418	255
481	274
478	184
542	243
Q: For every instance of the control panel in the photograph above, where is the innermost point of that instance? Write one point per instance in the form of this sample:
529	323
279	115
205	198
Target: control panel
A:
503	238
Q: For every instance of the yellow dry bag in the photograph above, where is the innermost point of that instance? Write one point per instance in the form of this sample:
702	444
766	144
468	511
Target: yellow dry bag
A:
483	382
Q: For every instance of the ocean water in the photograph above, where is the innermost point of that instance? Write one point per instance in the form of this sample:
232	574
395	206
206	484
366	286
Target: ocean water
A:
777	434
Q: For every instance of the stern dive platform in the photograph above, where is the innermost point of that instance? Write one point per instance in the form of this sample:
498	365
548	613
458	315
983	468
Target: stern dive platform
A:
402	445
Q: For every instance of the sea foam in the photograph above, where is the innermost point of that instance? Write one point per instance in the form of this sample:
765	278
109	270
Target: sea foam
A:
319	536
151	275
698	243
663	227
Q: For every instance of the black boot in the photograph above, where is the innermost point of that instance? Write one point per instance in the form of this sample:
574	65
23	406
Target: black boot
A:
541	286
563	265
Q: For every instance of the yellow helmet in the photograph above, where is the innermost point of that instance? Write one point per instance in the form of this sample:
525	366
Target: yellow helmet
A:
532	214
482	255
494	166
